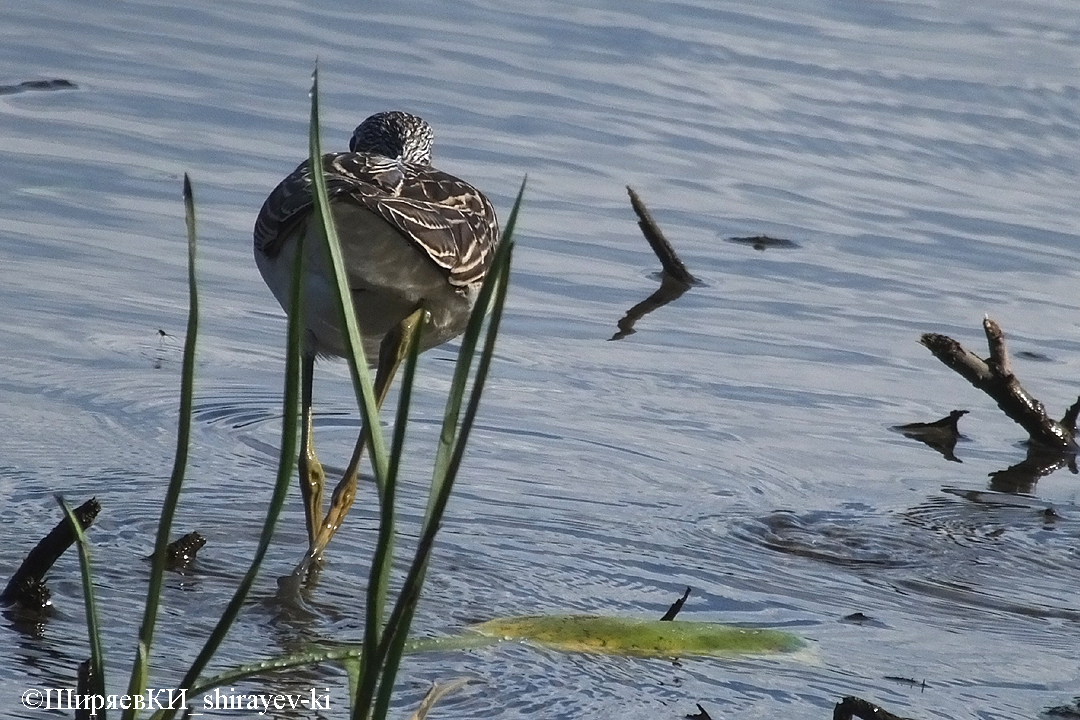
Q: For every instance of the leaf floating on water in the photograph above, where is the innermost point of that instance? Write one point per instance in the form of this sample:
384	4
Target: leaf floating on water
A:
641	638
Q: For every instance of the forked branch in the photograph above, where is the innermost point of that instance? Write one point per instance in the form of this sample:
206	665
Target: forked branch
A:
994	376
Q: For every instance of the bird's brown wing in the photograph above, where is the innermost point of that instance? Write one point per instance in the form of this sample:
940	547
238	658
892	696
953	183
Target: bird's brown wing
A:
450	220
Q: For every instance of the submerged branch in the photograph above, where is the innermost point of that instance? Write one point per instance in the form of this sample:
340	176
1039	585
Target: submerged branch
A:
994	376
676	607
27	585
671	263
674	278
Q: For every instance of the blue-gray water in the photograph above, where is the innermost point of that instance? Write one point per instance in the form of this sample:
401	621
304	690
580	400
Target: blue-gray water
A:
923	158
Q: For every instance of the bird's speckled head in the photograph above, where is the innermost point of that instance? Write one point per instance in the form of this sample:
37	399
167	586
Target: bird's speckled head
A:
395	135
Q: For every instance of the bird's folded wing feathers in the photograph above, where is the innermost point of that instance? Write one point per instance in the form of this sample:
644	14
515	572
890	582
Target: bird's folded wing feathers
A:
451	221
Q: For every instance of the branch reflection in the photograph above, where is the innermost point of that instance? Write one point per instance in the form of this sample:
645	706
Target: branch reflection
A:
670	290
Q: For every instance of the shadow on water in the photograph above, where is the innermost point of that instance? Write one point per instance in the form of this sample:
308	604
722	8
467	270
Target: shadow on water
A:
976	552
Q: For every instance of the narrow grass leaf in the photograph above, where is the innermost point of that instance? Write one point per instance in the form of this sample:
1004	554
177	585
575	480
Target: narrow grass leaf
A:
286	463
448	433
448	459
93	629
410	593
379	576
352	667
358	365
140	668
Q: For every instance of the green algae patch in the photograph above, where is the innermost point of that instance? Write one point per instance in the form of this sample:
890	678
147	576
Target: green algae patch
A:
636	637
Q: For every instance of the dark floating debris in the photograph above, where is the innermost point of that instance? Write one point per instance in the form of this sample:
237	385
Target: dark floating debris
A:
853	707
1072	710
1036	356
27	585
55	84
857	618
906	681
87	683
941	434
994	376
674	278
676	606
946	423
764	242
180	554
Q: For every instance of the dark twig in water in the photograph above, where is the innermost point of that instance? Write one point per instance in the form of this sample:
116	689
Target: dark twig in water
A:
858	618
674	278
701	714
676	606
907	681
27	584
84	688
994	377
180	554
941	434
671	263
852	707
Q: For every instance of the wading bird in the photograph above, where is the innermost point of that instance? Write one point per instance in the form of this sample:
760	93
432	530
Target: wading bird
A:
411	237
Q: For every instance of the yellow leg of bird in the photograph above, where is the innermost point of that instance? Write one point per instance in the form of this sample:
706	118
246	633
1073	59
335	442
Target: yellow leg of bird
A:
311	472
391	352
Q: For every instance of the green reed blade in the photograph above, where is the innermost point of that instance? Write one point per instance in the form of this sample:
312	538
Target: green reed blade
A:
397	629
465	355
379	576
493	294
411	590
286	463
358	365
394	651
140	669
93	629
